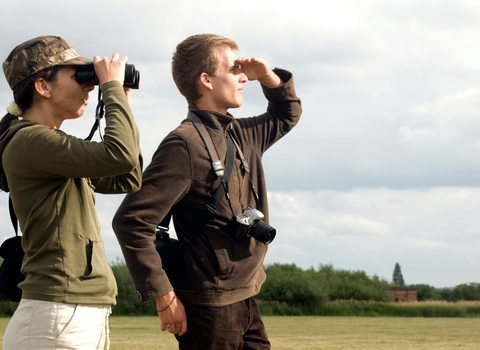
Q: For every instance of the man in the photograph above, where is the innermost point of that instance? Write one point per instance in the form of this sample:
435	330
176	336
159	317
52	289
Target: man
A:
214	297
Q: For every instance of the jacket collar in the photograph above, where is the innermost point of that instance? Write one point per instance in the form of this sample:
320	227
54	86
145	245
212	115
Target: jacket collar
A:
212	119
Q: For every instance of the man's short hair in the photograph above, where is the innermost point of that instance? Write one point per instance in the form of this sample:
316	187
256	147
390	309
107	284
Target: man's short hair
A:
194	56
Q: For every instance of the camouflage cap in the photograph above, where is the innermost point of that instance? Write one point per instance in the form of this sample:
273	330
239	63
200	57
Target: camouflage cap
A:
38	54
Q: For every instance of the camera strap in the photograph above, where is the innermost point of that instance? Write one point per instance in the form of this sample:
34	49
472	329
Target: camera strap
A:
247	170
207	140
210	208
99	112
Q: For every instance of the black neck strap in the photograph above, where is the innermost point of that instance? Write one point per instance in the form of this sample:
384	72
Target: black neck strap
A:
207	140
99	112
210	208
247	170
13	216
216	162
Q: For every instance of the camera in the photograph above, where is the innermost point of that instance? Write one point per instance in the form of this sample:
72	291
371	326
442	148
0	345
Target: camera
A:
86	74
250	224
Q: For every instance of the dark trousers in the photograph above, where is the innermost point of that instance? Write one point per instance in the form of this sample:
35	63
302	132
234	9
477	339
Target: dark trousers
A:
233	327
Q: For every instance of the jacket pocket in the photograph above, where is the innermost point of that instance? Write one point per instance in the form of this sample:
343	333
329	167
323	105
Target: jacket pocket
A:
87	268
220	254
79	256
204	264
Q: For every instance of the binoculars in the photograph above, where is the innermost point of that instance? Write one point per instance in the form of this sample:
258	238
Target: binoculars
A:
86	74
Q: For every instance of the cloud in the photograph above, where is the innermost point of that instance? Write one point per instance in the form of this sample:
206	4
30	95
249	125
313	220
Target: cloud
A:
423	243
461	104
442	14
441	134
357	224
292	250
431	228
386	152
443	120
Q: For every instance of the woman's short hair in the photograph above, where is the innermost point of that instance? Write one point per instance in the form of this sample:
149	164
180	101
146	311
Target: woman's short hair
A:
194	56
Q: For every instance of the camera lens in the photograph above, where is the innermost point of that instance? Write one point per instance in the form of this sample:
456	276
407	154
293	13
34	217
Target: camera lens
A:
262	232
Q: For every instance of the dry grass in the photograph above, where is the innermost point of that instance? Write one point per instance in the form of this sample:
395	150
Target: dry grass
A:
372	333
456	304
299	333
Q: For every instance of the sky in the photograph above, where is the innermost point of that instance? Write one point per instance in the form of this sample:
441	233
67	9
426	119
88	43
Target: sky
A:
384	165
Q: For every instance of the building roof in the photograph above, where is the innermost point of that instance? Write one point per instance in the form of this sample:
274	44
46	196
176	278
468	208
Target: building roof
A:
404	288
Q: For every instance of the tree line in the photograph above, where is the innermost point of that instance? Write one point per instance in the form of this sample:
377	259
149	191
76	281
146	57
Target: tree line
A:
310	289
465	291
307	290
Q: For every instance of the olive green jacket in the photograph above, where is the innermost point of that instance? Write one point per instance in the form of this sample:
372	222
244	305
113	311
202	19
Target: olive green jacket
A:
52	177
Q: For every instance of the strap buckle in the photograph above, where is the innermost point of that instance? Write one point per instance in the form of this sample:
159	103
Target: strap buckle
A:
209	209
218	167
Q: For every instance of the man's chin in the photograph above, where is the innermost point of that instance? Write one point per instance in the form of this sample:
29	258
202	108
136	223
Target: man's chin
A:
239	104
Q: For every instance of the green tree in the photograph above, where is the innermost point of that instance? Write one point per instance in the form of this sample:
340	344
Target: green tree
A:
426	292
397	275
290	284
346	285
464	291
470	291
127	303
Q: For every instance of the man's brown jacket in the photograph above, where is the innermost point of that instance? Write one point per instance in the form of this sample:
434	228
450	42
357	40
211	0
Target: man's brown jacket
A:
220	270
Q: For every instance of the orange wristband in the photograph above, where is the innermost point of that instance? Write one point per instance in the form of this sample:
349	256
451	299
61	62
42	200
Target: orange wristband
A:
169	304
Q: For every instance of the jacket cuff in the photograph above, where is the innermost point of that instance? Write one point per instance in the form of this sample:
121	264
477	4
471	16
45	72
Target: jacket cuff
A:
283	92
153	289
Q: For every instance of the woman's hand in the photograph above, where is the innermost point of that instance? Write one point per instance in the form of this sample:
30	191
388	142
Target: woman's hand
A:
128	94
109	70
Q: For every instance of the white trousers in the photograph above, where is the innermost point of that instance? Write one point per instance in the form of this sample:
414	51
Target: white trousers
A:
45	325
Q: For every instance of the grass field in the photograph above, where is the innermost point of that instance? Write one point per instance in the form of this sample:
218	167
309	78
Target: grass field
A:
312	332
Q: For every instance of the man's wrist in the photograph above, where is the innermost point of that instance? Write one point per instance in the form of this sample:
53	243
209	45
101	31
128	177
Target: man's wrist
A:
164	302
168	305
271	80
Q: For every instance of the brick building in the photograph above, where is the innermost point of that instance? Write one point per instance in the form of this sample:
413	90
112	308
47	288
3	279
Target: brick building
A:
404	294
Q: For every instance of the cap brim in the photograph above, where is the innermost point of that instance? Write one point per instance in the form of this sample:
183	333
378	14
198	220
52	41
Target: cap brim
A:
77	61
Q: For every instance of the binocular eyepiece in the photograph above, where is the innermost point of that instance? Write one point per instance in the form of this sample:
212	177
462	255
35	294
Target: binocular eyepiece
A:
86	74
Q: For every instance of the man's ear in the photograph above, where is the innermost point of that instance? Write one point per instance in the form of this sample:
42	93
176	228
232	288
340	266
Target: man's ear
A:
205	81
43	88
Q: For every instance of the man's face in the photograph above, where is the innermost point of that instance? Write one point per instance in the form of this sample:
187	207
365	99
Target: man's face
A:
227	84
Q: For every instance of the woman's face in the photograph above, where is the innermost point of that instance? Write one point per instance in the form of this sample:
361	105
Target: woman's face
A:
68	98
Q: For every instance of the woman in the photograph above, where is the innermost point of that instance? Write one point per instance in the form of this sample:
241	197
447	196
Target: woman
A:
51	176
